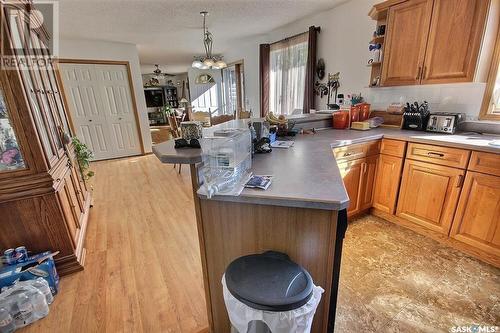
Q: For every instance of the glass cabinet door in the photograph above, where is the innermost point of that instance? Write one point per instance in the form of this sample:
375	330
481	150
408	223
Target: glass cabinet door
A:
11	158
31	79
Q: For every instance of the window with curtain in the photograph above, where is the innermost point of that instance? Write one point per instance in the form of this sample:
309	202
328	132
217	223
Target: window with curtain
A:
288	62
490	109
234	88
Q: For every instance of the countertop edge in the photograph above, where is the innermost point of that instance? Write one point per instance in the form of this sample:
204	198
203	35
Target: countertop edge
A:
282	202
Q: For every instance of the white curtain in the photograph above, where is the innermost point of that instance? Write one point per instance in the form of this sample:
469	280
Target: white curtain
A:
288	63
229	86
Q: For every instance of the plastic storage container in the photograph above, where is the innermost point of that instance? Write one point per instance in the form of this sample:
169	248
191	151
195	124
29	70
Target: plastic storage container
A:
227	159
24	304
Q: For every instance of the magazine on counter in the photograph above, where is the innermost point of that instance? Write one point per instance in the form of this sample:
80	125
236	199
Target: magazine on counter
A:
282	144
262	182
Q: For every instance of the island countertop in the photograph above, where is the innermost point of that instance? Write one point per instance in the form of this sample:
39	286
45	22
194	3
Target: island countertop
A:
307	175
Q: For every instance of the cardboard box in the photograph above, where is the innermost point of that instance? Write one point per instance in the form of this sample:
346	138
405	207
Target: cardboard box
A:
39	265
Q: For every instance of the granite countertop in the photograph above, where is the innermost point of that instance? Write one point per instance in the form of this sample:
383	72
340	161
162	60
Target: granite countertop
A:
307	175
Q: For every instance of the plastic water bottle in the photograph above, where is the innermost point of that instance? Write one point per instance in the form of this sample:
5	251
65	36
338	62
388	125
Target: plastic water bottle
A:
23	311
6	322
40	306
42	285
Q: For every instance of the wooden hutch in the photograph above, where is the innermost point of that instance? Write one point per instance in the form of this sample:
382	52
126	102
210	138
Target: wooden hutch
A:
44	202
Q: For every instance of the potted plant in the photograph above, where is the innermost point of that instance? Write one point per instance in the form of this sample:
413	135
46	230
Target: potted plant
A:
83	157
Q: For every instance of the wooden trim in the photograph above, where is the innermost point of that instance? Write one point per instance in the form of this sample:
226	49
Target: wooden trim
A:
239	96
134	105
379	11
485	113
237	62
102	62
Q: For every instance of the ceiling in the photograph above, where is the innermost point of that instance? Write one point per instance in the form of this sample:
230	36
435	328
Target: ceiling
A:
170	31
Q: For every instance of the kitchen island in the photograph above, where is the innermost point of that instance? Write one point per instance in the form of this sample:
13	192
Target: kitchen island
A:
302	213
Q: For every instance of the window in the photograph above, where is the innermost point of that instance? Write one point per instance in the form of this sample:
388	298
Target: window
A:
234	88
288	61
491	103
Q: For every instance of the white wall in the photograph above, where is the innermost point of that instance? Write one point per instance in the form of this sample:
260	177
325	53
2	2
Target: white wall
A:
343	44
99	50
248	51
206	96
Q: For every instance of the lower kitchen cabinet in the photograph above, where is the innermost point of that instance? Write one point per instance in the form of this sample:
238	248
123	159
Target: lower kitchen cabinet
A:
359	178
429	195
477	220
351	175
367	182
387	183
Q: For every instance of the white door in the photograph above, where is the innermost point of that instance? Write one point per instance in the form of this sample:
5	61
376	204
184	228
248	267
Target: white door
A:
101	108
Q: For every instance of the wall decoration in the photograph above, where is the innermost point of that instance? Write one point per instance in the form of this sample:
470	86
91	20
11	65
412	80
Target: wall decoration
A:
204	79
320	69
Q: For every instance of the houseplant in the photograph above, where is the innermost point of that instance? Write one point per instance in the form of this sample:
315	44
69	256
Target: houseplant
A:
83	156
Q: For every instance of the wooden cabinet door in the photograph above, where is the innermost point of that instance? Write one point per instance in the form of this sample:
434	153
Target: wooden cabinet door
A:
455	35
369	171
387	183
429	195
477	220
351	175
405	43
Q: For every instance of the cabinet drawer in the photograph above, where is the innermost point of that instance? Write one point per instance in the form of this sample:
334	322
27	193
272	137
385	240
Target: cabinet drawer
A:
485	162
353	152
452	157
393	147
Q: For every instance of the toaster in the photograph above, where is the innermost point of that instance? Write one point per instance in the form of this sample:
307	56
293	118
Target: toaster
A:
444	122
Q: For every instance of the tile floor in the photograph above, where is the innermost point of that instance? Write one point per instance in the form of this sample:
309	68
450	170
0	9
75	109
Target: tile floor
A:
395	280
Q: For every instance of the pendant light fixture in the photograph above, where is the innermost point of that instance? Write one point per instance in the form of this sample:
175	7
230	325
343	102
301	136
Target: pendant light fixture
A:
208	61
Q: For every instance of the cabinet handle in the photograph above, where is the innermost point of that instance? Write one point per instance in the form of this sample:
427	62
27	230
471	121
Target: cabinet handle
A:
419	72
433	154
460	180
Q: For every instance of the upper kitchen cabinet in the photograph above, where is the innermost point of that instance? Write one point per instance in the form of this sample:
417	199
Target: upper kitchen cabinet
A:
431	41
407	32
454	40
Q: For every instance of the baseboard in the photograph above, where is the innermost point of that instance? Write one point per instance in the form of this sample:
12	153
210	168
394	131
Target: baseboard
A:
69	264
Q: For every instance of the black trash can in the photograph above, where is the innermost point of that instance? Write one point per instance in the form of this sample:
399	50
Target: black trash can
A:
270	281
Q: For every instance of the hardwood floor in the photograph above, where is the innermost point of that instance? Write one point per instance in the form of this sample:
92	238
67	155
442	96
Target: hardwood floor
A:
142	269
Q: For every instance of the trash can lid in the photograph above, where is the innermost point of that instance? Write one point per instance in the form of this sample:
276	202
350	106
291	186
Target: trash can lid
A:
269	281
